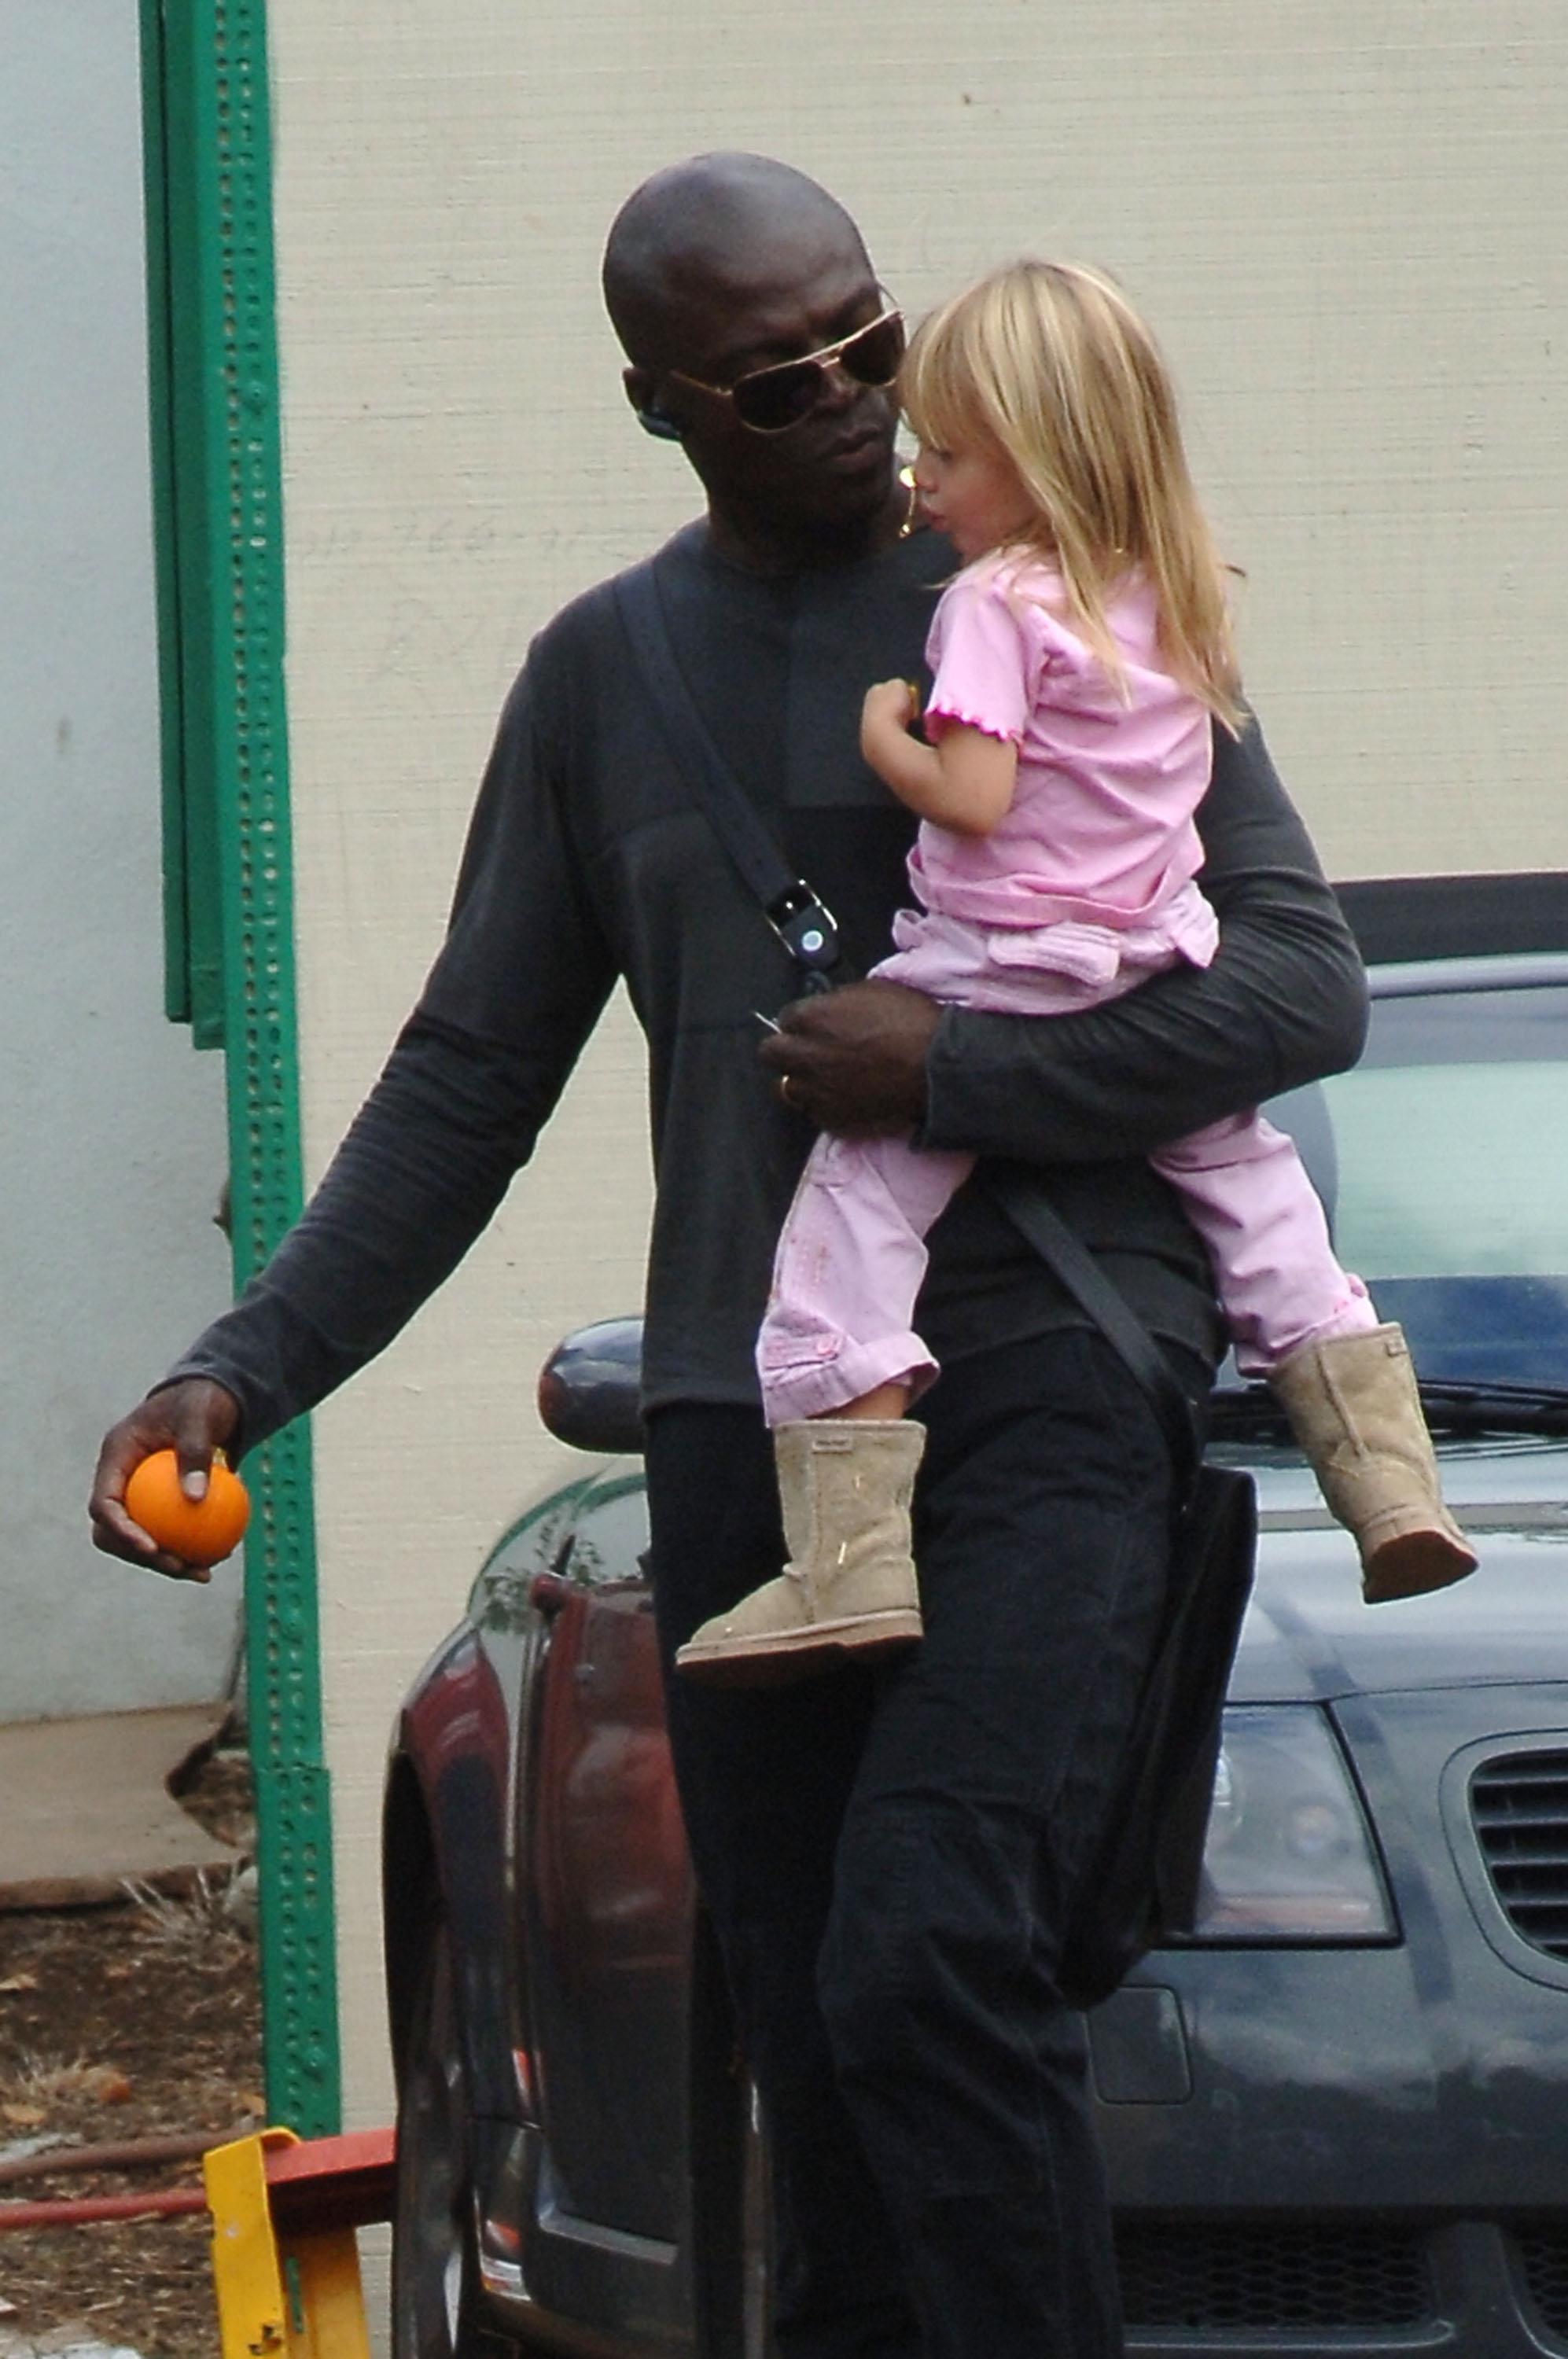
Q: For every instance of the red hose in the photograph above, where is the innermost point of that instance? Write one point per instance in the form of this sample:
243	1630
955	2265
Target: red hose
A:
64	2211
125	2154
324	2183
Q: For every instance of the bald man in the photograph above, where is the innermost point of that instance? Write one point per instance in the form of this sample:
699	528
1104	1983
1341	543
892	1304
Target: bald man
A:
890	1860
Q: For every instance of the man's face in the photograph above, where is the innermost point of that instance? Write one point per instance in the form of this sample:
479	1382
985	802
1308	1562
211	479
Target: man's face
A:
829	473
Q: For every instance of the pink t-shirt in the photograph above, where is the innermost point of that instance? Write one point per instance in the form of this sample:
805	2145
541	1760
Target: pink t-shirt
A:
1110	773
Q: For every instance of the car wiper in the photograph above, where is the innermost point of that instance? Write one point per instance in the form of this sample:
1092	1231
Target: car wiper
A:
1242	1412
1453	1407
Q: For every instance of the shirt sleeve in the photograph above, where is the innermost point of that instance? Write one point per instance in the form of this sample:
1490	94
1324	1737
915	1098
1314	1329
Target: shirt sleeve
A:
473	1076
984	666
1283	1004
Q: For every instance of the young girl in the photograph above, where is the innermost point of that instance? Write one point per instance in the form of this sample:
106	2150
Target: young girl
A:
1080	662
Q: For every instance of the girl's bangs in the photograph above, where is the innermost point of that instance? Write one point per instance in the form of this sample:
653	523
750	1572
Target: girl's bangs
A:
938	395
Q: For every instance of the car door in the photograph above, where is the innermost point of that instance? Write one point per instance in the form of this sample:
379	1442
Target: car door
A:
604	1887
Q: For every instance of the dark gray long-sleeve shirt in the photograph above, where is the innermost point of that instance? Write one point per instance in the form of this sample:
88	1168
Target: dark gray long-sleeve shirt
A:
587	862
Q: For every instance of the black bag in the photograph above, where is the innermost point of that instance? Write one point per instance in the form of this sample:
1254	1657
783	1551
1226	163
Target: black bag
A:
1141	1886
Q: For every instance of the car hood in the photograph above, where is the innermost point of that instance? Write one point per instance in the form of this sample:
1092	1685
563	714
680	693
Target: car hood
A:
1308	1635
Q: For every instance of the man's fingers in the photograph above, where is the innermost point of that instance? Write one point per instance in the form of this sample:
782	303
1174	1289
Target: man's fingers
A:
115	1532
112	1529
202	1417
193	1418
854	1060
193	1448
178	1570
141	1550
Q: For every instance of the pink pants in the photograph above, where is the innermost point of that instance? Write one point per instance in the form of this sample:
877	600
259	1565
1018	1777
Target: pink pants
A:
852	1254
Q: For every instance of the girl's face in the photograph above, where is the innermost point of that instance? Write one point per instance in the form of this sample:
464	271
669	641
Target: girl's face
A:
975	496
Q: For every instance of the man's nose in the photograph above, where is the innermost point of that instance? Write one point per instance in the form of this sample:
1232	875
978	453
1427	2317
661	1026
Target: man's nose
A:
838	389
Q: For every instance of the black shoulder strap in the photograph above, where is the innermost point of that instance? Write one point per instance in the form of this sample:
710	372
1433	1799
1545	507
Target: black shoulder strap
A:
802	923
808	932
1017	1189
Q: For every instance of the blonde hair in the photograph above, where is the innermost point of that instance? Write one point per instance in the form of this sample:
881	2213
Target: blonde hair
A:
1048	364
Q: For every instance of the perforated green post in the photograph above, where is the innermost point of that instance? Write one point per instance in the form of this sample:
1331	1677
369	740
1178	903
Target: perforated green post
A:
217	484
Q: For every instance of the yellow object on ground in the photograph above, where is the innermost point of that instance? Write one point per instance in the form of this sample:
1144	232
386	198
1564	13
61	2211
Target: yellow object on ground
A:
285	2262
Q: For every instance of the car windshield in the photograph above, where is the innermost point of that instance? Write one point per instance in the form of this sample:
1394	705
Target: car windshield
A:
1441	1159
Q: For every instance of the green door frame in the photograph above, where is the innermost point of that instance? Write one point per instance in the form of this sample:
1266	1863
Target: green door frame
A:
217	499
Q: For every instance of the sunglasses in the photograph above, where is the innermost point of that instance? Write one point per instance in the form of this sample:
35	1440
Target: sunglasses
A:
771	400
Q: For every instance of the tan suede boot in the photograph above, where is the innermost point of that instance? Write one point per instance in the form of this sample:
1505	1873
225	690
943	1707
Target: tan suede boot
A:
1355	1411
849	1587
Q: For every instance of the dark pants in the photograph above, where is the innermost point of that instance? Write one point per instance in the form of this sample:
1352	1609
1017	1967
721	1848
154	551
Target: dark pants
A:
889	1858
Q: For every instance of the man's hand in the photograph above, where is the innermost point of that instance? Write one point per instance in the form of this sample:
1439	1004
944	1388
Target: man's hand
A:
854	1060
192	1419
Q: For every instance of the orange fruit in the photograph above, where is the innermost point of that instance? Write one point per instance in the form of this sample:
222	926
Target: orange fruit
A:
200	1530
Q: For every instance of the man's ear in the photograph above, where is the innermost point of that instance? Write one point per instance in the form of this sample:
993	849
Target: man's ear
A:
640	386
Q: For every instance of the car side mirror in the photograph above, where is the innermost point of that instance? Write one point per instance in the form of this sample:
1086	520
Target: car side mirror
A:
590	1387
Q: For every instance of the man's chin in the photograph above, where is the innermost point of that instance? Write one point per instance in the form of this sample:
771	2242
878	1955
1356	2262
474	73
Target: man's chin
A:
847	498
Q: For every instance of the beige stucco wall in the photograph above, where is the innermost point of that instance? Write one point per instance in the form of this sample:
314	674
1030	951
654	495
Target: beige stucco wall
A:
1345	216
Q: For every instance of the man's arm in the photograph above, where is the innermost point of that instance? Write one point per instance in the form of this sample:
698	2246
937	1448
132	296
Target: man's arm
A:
1283	1002
518	986
418	1178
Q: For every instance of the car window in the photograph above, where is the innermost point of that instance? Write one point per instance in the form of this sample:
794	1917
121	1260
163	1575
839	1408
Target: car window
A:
612	1534
1453	1170
1469	1027
1441	1160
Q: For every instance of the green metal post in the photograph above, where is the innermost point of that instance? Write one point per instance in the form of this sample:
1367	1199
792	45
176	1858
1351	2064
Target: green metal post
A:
217	484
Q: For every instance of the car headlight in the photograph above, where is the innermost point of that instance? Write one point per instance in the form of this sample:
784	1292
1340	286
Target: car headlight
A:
1289	1857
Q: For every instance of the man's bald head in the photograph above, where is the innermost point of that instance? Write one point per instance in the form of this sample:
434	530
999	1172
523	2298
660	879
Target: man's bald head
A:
715	223
719	268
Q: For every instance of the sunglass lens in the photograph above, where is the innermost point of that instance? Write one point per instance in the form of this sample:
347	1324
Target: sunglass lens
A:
775	398
873	358
772	398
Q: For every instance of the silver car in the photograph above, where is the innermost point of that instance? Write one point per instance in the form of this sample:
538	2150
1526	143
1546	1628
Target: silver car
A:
1336	2119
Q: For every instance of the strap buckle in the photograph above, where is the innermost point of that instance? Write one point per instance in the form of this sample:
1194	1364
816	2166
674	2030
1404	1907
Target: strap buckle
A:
809	932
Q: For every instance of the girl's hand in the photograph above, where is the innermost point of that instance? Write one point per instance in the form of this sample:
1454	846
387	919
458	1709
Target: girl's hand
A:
890	711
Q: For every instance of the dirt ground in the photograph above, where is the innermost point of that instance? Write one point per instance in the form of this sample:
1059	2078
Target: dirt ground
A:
128	2022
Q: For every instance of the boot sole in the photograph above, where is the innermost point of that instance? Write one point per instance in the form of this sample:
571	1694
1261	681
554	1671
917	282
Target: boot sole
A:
1413	1564
788	1655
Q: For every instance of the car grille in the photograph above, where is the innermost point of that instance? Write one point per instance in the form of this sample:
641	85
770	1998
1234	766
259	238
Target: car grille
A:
1543	2256
1519	1806
1241	2275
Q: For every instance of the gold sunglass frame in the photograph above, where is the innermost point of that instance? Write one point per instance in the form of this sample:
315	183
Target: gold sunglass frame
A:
826	358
